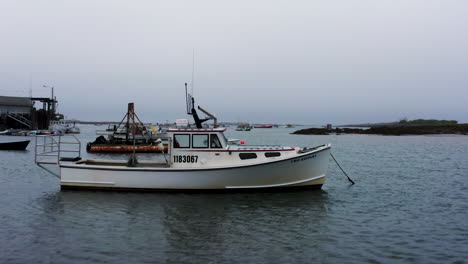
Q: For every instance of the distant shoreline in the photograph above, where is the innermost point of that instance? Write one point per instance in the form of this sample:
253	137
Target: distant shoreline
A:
459	129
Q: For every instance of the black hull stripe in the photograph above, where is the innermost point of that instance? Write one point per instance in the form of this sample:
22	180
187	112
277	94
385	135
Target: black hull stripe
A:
198	169
258	190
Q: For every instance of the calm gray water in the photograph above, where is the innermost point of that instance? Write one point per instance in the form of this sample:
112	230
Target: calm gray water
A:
409	205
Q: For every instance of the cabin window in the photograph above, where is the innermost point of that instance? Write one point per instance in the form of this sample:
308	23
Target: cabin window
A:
272	154
181	141
200	141
214	141
244	156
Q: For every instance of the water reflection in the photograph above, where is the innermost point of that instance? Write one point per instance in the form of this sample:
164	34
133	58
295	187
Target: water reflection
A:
241	224
157	226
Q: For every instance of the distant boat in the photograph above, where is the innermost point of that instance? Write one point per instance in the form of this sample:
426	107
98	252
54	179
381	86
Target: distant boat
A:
16	145
73	130
263	126
243	127
61	126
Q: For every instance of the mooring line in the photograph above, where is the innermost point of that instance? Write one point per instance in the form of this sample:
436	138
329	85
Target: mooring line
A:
352	182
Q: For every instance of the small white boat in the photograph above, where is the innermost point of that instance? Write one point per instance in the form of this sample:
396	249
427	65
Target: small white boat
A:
74	130
62	126
244	127
202	159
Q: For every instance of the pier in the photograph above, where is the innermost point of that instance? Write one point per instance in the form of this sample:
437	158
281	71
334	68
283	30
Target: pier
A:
26	112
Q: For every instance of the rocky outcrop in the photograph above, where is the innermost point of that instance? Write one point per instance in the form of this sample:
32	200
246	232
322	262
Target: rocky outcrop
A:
460	129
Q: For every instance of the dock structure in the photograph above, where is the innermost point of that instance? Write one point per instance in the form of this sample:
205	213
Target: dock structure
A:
26	112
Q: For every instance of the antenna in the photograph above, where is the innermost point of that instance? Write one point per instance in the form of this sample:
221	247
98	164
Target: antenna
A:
30	84
193	70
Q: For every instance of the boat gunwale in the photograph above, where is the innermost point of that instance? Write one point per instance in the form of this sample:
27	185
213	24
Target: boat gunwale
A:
239	150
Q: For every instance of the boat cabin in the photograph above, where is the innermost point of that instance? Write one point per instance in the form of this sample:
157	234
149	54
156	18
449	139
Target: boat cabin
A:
201	147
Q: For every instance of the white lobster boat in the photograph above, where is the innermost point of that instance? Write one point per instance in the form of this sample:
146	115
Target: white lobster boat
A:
198	159
202	159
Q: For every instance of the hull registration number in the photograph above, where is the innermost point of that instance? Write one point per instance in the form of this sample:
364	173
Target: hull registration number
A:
185	159
304	158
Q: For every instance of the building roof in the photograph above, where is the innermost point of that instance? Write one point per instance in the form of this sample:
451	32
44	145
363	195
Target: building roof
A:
15	101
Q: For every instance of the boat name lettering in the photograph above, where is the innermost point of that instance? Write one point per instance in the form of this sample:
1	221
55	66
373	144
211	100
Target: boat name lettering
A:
302	159
185	159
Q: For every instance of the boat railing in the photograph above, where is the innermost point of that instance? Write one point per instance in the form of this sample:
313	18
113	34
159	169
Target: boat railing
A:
50	149
249	145
104	132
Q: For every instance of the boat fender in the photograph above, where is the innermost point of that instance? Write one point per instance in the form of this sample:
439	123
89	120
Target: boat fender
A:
159	144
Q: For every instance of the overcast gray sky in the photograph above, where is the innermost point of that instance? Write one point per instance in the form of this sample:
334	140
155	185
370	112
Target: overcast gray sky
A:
310	62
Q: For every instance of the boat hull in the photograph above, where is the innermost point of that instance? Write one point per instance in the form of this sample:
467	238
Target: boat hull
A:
304	170
18	145
73	130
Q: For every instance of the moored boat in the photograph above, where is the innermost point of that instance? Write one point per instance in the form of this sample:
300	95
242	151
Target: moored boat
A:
244	127
198	158
201	159
63	126
15	145
130	135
